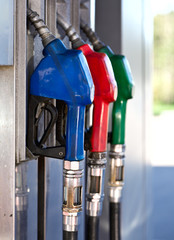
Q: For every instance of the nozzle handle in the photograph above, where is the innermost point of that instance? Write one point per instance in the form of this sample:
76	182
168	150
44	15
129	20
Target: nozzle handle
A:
118	121
75	132
100	125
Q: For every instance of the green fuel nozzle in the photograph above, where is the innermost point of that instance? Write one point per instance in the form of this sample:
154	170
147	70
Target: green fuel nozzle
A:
125	84
124	80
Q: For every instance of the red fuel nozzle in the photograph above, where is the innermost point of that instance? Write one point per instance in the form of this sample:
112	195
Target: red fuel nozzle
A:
105	93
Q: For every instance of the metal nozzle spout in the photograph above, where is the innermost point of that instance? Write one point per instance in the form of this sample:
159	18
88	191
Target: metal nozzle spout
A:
93	38
40	26
70	32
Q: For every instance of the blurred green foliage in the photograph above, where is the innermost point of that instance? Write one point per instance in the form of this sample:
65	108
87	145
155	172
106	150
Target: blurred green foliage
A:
158	108
163	79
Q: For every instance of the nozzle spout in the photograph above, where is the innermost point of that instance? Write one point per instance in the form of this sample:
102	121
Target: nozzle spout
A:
92	36
40	27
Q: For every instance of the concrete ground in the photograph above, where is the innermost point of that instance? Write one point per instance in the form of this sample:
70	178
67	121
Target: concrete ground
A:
163	177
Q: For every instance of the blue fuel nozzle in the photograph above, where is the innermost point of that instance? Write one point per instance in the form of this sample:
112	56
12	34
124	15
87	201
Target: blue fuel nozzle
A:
64	75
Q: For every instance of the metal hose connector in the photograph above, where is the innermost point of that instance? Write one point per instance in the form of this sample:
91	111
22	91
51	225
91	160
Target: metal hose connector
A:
116	181
92	36
40	27
96	166
72	197
70	32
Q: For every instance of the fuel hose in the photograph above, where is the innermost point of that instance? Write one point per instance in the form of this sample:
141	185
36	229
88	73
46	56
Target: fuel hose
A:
115	220
92	225
70	235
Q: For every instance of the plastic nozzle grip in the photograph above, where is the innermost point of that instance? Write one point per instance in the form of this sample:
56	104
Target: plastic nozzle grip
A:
74	141
100	125
118	122
125	84
105	93
64	75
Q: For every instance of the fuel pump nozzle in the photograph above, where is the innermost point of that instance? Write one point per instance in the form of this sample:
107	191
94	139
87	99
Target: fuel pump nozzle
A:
105	93
125	83
63	75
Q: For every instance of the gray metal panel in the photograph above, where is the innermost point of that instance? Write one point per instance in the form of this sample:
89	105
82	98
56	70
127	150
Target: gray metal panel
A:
148	105
6	26
32	199
75	14
54	179
108	23
133	225
26	201
137	39
20	80
51	15
7	153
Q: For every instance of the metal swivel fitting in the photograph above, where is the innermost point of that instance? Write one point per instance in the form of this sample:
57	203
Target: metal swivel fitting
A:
72	200
40	26
96	167
70	32
117	156
93	38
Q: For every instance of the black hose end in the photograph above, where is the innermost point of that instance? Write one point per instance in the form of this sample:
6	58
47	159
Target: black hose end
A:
115	221
70	235
92	228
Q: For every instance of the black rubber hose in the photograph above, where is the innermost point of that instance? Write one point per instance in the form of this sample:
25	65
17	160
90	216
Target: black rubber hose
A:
92	228
70	235
115	221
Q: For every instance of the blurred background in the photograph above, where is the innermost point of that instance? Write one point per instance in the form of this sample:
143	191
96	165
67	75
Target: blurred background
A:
163	119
